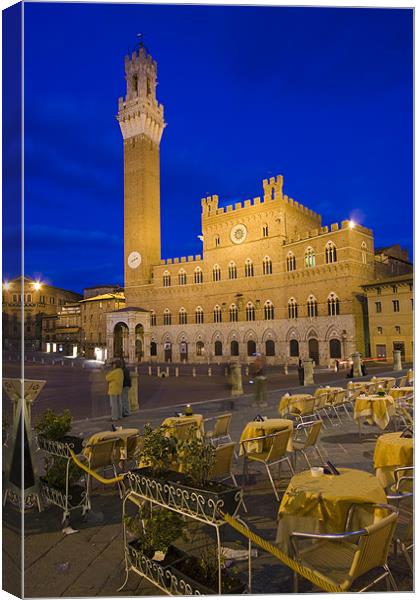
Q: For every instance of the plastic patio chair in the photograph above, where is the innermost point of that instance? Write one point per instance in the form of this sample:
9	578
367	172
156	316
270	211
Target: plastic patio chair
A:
403	535
275	454
220	433
341	558
103	455
312	430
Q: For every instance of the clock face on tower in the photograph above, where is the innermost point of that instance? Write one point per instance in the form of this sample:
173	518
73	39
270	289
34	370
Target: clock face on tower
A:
238	234
134	259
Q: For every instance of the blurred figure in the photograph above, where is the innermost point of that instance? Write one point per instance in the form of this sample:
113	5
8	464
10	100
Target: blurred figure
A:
236	379
125	403
115	379
260	380
363	368
301	372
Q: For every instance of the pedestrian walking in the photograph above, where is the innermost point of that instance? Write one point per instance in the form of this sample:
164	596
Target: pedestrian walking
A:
260	380
125	403
115	379
301	372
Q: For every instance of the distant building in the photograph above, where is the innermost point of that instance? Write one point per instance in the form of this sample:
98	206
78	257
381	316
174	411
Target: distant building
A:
62	332
37	300
391	305
392	260
93	311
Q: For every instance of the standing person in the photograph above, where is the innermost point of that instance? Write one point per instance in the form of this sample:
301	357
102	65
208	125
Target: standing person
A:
260	398
125	404
115	380
301	372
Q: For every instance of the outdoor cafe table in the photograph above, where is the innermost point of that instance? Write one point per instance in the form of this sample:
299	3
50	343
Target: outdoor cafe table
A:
374	409
401	392
260	428
361	386
387	382
195	420
321	504
392	451
294	403
121	434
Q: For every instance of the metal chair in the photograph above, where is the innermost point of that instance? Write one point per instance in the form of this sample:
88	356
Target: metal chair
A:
403	535
401	381
342	558
102	455
298	412
222	467
220	433
134	447
275	454
312	430
320	406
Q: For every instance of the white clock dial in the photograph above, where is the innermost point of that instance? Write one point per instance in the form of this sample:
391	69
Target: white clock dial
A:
238	234
134	259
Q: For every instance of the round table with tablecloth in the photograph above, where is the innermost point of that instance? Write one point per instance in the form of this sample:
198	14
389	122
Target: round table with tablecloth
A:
259	428
400	392
172	423
392	451
374	409
294	403
121	434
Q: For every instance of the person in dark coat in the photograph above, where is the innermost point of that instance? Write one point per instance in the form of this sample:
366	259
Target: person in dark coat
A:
126	388
301	372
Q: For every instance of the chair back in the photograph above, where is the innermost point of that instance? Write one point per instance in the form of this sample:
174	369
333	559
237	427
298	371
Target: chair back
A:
401	381
278	444
223	463
103	453
373	547
338	397
134	446
313	433
321	400
183	431
221	426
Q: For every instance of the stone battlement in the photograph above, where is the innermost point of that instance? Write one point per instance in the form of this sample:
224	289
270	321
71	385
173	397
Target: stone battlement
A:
180	260
334	227
140	56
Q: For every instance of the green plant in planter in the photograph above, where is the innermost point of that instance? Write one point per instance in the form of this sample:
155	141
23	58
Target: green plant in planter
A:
159	450
155	530
53	427
197	459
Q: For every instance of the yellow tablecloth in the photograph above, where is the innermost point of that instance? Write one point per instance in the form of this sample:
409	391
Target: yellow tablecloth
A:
392	451
259	428
400	392
328	390
385	382
361	386
121	434
374	409
321	504
172	422
295	403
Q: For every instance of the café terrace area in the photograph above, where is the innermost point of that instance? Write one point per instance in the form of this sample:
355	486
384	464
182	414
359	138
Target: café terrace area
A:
313	492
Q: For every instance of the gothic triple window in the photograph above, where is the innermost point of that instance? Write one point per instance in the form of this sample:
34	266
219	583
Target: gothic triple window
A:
166	279
182	316
312	307
333	305
233	313
216	273
309	258
152	318
199	315
330	253
217	314
291	262
167	317
267	266
250	312
249	268
292	309
198	275
233	272
182	277
268	311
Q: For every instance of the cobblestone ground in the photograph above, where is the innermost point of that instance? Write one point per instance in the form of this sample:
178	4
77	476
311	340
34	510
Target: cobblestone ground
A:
90	562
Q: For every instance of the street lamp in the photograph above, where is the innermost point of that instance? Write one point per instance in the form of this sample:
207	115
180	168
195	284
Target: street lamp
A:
37	285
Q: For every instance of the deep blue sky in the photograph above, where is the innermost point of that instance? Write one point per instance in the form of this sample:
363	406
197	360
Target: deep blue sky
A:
321	95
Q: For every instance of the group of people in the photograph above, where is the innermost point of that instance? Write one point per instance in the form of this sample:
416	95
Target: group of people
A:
119	384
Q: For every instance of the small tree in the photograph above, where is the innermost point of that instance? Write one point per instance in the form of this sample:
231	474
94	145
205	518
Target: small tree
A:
159	450
197	459
155	530
53	427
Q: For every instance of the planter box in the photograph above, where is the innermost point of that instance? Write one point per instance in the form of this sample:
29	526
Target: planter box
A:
60	447
173	489
55	495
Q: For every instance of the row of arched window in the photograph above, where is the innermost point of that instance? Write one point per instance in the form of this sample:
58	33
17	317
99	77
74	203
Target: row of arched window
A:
267	266
333	304
310	256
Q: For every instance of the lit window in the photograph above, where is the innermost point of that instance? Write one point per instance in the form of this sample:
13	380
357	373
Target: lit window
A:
292	309
309	258
330	253
379	330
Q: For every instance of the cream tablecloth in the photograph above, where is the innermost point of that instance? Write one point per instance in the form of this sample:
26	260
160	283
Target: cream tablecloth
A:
400	392
296	403
259	428
392	451
374	409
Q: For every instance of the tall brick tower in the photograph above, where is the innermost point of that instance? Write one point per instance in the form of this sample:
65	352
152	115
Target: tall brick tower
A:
141	120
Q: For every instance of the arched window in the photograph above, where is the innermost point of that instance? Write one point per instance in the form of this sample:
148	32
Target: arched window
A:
270	348
251	347
291	262
233	273
330	253
292	309
198	275
333	305
312	307
153	349
216	273
364	255
167	317
233	313
217	314
234	348
249	268
294	348
218	348
335	348
182	277
166	279
217	240
199	348
182	316
250	312
152	318
309	257
268	311
267	266
199	315
265	230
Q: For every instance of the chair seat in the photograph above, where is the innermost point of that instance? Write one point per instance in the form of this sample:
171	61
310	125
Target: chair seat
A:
260	457
330	560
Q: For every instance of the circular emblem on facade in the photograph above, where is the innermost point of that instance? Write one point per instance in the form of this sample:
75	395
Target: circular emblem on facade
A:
134	260
238	234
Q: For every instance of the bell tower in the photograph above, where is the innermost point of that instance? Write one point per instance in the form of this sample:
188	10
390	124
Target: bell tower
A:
141	121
